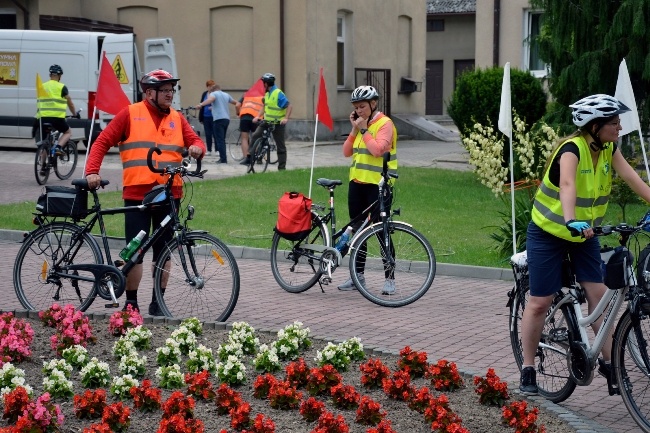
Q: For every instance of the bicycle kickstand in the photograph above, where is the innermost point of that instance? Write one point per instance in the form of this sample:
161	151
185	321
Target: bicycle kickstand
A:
328	279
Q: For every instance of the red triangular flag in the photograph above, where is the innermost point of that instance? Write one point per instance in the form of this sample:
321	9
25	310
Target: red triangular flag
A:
110	97
256	90
322	109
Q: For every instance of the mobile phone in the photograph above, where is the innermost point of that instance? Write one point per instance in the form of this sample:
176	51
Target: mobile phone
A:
355	115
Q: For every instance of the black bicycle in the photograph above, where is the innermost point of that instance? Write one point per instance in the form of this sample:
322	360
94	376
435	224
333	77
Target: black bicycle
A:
263	151
50	156
391	263
60	261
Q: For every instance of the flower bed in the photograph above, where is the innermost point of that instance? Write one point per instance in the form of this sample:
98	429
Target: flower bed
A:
284	408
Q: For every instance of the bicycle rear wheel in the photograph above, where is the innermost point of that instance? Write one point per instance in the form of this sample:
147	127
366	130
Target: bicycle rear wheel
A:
628	351
200	277
396	277
65	164
39	270
552	365
41	164
295	268
234	145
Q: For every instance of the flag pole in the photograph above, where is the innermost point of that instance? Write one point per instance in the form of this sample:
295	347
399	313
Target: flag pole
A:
645	158
90	135
313	156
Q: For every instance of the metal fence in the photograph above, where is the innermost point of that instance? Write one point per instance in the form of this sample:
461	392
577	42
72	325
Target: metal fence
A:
380	80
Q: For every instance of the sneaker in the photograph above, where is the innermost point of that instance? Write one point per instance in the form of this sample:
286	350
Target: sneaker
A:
221	162
133	305
58	151
246	161
389	287
349	284
528	382
154	309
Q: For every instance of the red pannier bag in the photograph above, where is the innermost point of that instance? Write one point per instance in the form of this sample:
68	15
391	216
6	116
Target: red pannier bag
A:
294	216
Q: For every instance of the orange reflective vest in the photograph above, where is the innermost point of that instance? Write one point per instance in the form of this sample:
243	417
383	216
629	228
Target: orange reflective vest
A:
251	105
143	135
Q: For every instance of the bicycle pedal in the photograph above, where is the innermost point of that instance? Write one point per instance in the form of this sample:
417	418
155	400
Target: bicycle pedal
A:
613	389
326	281
112	305
118	263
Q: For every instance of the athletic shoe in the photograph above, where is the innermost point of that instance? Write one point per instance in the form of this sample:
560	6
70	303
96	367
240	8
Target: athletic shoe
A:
154	309
349	284
58	151
133	305
246	161
528	382
389	287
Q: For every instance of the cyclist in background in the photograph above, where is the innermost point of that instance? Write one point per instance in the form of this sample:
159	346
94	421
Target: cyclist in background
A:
52	109
373	134
277	109
136	129
572	198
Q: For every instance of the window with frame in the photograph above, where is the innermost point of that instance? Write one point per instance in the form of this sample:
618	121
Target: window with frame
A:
533	23
435	25
343	33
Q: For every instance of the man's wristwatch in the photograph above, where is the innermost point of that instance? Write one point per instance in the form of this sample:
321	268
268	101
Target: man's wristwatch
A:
363	131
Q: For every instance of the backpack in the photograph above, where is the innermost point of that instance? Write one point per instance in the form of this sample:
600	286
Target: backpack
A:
294	216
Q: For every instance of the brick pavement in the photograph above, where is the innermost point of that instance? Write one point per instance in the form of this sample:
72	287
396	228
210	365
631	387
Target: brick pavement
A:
460	319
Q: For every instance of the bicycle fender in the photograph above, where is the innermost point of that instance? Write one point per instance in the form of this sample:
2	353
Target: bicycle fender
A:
357	235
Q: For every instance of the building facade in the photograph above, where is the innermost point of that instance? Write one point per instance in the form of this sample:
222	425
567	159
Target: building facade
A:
235	42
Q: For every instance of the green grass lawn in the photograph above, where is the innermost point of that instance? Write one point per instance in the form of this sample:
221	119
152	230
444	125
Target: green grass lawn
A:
451	208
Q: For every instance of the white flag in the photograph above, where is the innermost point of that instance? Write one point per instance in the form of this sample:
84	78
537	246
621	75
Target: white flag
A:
625	94
505	113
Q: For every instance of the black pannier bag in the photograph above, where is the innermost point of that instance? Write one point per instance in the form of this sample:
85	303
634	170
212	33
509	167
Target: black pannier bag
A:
63	201
615	268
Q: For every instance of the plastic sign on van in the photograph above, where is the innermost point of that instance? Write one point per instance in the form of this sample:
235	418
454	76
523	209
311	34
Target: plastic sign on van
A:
120	70
9	68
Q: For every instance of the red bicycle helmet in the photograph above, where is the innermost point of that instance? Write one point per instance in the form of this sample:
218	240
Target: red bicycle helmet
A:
157	78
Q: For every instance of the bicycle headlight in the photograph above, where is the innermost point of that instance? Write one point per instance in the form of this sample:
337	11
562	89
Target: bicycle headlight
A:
190	212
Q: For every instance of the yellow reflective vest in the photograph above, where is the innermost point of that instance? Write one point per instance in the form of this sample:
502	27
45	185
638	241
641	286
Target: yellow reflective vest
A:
54	105
272	112
593	187
367	168
143	135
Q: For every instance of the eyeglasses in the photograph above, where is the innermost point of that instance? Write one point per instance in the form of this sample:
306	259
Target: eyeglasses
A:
167	91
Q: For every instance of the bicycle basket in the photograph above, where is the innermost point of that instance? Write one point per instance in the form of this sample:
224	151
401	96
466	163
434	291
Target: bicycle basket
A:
294	216
63	201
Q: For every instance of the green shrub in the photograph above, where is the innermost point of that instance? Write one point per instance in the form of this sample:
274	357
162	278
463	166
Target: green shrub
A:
477	97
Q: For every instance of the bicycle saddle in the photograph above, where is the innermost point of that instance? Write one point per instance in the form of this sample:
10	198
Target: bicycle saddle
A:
328	182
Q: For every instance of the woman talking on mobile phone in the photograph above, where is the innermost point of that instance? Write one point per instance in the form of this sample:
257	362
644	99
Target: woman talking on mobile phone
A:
372	135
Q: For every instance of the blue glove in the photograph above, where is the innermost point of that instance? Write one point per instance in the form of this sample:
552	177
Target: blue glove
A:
577	227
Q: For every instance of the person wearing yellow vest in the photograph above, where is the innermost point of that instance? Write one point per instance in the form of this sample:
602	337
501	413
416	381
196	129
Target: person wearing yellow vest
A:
247	108
571	199
52	109
277	109
372	135
134	130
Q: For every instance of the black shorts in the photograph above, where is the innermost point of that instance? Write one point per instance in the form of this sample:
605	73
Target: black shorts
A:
136	221
57	123
246	123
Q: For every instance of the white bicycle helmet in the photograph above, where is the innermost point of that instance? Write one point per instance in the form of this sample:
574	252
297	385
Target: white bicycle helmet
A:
364	93
595	107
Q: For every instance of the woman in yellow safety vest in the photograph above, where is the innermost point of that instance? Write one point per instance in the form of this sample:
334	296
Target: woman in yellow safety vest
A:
372	135
571	199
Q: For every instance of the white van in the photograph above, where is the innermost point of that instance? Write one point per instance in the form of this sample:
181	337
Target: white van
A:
25	53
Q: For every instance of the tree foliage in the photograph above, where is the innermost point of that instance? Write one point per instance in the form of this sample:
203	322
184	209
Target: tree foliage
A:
584	42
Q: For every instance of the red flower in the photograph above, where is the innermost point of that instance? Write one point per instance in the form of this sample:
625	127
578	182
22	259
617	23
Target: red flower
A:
117	416
373	372
311	409
415	363
369	412
146	398
90	405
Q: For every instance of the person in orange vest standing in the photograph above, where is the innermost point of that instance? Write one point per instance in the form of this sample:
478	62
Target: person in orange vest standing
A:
134	130
247	108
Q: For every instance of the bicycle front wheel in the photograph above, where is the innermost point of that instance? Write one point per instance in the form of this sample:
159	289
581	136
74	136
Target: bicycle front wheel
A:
393	276
41	164
273	158
629	358
197	277
552	365
261	155
234	145
295	267
66	162
40	275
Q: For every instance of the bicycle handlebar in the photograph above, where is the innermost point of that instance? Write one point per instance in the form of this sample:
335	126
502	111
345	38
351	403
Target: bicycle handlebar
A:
181	169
